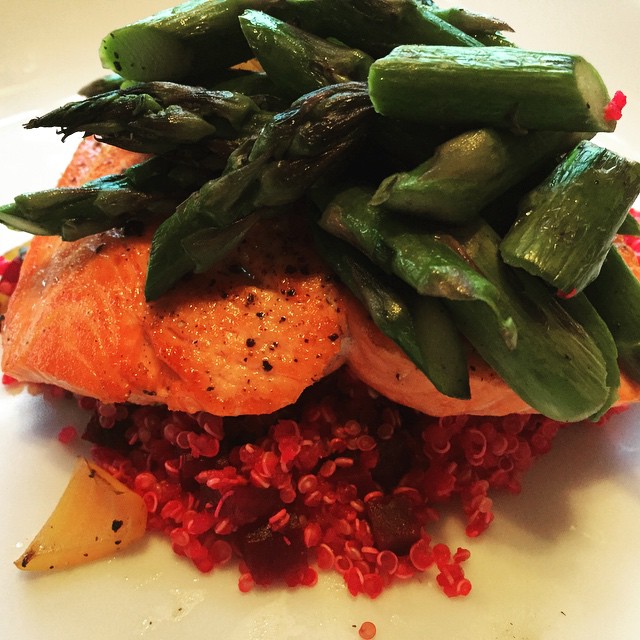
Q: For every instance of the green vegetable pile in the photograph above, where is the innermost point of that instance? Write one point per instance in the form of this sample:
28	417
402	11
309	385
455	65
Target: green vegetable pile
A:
449	177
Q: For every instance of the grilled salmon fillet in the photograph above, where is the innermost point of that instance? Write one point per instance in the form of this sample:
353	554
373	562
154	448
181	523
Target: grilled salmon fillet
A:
245	338
381	364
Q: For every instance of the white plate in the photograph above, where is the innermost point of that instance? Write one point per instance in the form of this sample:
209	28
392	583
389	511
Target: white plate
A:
559	562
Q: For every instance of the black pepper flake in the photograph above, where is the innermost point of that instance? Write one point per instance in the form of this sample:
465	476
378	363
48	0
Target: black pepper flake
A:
333	337
266	365
210	388
117	542
250	342
92	473
116	524
260	314
282	319
117	66
148	392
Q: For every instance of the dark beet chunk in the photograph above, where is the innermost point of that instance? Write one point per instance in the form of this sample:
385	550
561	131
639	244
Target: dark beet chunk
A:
358	476
273	555
248	504
393	523
396	456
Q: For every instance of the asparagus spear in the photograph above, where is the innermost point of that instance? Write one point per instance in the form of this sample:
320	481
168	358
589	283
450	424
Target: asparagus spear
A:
110	82
193	41
502	87
376	26
153	187
297	61
419	325
493	40
471	23
615	293
556	367
156	116
288	155
630	226
407	144
427	261
468	172
566	225
254	84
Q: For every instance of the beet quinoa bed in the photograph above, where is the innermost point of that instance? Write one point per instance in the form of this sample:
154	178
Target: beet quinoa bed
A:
344	480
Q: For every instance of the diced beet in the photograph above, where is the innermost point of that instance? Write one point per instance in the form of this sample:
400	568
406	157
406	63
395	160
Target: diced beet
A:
395	460
393	523
249	504
114	438
358	476
273	555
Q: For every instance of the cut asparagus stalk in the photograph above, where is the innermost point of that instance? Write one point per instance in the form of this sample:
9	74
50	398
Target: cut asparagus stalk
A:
566	225
297	61
615	293
468	172
581	310
419	325
193	41
426	261
503	87
376	26
556	367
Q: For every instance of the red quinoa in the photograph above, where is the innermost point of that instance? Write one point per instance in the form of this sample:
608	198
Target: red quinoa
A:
9	272
367	630
345	480
67	434
613	111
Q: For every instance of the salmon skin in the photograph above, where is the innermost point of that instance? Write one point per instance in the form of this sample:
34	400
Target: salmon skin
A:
245	338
